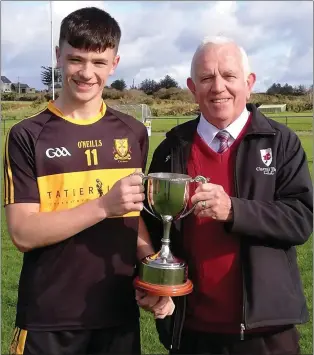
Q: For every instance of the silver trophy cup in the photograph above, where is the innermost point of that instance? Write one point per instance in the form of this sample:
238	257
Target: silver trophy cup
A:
168	195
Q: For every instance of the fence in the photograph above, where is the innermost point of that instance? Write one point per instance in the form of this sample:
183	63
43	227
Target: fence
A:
164	124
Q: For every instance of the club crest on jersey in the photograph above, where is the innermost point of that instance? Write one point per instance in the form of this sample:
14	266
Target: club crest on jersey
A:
267	156
122	151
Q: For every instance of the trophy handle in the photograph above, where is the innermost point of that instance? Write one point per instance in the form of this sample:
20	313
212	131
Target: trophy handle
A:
145	177
198	178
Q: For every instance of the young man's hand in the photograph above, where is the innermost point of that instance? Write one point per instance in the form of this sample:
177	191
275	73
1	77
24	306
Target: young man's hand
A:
125	196
160	306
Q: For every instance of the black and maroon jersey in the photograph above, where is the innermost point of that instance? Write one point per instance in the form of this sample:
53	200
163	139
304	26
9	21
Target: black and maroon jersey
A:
59	162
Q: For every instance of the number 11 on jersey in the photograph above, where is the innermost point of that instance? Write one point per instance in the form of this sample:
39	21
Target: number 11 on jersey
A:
92	158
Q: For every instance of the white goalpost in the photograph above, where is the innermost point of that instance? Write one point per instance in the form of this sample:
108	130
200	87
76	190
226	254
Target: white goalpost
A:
141	112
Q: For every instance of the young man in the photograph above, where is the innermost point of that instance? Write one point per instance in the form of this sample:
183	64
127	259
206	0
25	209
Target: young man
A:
72	206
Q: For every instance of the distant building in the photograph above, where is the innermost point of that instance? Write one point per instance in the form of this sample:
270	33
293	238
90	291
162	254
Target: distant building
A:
5	84
272	108
21	88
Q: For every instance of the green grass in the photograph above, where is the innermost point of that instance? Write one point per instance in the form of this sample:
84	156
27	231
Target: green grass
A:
12	261
294	121
21	111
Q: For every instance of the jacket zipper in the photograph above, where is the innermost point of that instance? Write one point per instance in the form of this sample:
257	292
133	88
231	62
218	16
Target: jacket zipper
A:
242	325
173	332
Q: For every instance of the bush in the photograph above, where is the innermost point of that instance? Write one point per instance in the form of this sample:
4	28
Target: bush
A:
162	94
28	97
147	100
8	96
48	96
299	106
112	94
178	108
40	100
134	95
184	95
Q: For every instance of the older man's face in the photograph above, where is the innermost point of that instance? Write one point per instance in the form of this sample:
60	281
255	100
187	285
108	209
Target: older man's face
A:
220	87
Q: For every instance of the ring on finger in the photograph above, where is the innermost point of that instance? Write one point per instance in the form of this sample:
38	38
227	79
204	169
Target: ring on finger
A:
203	204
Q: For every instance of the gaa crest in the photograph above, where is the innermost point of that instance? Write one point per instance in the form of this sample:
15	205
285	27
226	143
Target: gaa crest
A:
122	151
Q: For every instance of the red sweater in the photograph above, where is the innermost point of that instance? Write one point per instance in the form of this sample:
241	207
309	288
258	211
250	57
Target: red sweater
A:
214	261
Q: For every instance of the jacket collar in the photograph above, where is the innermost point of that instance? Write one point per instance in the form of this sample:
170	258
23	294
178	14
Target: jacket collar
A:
259	125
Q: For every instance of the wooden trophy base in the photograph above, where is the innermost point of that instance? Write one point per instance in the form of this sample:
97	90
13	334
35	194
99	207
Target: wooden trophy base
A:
164	290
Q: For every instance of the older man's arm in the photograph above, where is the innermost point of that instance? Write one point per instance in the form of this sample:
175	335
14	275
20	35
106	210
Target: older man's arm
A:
288	219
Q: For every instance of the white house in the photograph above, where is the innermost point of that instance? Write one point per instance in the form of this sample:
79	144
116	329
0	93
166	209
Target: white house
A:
5	84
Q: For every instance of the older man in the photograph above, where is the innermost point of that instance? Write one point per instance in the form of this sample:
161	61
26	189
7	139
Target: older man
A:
240	242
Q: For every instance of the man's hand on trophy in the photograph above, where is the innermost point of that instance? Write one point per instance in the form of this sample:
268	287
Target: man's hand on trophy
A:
212	201
165	307
125	196
161	306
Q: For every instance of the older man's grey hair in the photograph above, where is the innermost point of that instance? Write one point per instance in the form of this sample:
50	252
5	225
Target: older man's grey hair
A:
220	40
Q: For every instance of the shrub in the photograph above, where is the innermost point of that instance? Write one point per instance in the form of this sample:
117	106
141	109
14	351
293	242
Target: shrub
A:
40	100
8	96
48	96
112	94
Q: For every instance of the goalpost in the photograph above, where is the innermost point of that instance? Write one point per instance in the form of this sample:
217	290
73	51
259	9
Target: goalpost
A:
141	112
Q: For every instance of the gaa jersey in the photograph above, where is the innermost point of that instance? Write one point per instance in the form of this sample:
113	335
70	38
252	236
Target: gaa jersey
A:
84	282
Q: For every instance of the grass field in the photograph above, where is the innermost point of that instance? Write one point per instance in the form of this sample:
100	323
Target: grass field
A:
11	264
296	123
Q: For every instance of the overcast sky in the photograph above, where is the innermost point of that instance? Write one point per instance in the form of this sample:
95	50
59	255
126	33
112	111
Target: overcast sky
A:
159	38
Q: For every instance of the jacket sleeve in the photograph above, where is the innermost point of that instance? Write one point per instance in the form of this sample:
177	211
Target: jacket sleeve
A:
288	219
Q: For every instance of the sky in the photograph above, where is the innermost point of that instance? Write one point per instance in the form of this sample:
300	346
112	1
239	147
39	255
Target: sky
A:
159	38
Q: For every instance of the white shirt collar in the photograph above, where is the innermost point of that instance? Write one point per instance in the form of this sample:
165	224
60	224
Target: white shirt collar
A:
208	131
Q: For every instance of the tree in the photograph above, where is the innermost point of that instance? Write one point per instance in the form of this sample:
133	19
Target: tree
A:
167	82
300	90
287	90
46	75
149	86
274	89
119	84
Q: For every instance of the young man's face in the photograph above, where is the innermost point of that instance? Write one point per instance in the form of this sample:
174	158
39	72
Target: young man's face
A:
85	73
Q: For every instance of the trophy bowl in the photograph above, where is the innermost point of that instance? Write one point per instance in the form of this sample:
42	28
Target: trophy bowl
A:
162	273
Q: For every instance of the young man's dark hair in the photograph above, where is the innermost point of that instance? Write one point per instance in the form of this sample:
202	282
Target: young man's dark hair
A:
91	29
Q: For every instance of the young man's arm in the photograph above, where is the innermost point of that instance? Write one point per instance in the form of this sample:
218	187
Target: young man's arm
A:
31	229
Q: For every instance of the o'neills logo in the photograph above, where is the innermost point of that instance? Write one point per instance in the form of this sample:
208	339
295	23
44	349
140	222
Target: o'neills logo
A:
122	151
267	171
